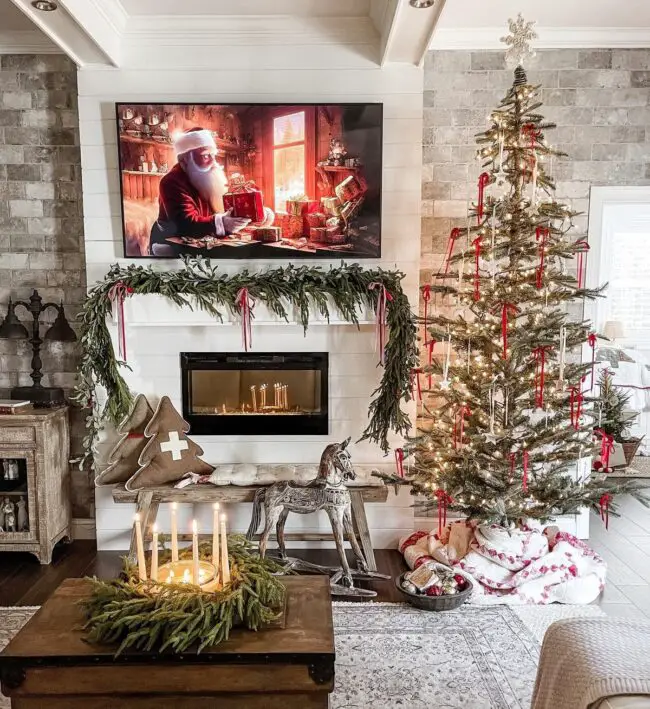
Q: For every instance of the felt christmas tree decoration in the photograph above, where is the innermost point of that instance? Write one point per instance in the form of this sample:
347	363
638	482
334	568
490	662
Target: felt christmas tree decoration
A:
123	459
168	454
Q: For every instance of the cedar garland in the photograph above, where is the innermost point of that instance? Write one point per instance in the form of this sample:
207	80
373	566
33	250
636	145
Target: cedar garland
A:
158	616
198	284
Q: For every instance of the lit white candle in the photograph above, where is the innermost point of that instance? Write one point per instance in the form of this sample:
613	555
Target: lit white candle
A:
225	563
215	535
174	533
195	552
263	395
142	567
286	396
154	554
254	397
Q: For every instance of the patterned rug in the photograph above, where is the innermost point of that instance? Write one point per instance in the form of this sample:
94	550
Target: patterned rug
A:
640	468
390	655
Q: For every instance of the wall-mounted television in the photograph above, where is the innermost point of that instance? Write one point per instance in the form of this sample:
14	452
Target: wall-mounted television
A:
251	181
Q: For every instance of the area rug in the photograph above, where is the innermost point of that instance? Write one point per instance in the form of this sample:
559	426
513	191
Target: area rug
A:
640	468
390	655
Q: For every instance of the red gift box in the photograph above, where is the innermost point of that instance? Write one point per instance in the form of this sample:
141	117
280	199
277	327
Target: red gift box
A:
290	224
244	199
315	219
317	233
267	234
349	189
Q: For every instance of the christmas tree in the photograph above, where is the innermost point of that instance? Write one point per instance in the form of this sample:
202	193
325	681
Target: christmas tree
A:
614	417
510	414
169	454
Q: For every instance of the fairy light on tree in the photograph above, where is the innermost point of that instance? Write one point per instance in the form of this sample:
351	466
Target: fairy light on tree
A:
511	413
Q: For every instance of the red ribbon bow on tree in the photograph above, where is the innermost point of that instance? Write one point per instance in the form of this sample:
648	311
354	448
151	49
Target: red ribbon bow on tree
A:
541	235
477	257
459	425
592	340
483	181
399	461
581	261
426	297
539	353
576	404
117	293
245	305
454	234
604	503
606	446
444	499
383	299
531	131
506	310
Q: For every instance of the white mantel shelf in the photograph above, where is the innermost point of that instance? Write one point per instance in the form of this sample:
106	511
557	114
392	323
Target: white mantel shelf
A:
154	310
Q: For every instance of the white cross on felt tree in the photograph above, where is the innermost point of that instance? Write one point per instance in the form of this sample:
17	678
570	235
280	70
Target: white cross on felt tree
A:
174	446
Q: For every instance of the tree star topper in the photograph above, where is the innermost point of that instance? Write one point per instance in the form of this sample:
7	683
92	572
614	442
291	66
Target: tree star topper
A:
522	34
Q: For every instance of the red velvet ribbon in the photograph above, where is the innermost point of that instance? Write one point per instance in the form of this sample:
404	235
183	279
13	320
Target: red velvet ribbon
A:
530	130
444	499
459	425
118	292
592	340
483	182
506	310
416	384
606	446
576	405
399	461
477	277
525	460
131	434
383	299
541	235
453	235
245	304
539	353
430	345
426	297
604	508
581	261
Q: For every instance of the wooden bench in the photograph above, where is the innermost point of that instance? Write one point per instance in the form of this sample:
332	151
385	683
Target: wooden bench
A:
148	501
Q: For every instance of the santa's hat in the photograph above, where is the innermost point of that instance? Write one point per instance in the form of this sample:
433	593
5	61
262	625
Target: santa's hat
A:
194	139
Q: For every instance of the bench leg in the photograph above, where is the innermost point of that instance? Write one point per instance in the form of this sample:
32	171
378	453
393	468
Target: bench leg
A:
148	510
361	527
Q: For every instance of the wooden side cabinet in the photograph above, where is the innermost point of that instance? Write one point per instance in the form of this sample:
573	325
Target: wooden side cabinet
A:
34	481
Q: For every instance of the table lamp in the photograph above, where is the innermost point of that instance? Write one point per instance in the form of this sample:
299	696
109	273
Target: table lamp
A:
60	331
613	330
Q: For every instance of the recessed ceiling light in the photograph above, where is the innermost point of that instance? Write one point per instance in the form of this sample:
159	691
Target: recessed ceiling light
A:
422	3
44	5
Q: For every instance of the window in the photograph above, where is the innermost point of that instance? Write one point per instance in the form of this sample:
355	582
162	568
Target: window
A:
288	157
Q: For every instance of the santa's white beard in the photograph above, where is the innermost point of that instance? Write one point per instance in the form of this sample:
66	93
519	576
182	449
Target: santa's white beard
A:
210	182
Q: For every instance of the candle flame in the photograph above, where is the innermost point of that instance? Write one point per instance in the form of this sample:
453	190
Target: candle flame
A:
154	529
216	505
136	517
174	506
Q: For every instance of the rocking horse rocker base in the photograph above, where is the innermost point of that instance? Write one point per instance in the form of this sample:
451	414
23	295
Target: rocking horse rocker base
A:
328	492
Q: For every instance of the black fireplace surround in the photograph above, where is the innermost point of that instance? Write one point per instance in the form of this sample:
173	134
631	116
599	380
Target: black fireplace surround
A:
265	393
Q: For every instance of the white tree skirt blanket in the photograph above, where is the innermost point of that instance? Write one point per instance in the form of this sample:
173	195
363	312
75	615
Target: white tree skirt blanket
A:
513	566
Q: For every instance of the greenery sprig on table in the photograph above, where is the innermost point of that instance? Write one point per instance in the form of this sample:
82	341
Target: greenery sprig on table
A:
154	616
198	284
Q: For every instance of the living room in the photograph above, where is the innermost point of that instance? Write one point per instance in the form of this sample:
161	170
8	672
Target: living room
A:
203	202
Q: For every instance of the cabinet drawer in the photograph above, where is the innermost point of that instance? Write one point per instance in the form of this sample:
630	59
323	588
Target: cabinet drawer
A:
17	434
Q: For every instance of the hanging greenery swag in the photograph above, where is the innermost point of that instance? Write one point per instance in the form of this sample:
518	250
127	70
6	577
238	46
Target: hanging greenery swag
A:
198	285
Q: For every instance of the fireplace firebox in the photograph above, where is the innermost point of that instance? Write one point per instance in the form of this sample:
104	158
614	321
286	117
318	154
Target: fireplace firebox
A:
227	393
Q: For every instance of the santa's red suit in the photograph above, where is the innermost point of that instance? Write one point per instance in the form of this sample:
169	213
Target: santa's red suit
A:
181	205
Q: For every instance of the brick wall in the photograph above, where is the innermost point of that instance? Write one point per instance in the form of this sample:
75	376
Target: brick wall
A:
41	226
598	98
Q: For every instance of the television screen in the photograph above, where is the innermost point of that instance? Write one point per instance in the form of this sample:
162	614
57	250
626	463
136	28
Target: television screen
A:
251	180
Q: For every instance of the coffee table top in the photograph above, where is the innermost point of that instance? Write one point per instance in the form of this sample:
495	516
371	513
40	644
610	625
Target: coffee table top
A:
53	637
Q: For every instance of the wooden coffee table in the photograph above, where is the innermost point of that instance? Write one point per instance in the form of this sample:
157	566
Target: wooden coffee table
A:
49	666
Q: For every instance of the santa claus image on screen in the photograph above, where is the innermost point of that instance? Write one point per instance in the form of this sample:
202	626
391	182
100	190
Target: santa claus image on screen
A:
191	195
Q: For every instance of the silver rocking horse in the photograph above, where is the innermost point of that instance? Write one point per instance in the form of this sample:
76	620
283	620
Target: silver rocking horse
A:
327	492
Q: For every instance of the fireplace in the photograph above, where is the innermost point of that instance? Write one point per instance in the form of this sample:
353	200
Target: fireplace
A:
267	393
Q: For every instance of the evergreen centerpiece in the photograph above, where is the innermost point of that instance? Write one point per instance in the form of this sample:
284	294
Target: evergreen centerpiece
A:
510	422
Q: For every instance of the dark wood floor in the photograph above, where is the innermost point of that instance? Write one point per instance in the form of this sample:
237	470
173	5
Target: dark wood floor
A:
24	582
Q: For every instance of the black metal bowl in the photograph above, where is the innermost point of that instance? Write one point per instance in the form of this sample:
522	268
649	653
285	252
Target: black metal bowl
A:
435	603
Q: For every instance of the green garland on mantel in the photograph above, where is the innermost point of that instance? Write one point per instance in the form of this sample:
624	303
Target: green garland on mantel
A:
198	284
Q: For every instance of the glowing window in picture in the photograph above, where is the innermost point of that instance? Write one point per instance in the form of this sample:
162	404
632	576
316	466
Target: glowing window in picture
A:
288	157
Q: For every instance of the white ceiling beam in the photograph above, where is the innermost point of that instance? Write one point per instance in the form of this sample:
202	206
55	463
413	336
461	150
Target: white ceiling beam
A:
405	31
88	31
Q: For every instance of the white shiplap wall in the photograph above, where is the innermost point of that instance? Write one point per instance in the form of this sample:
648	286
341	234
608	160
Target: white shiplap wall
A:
263	73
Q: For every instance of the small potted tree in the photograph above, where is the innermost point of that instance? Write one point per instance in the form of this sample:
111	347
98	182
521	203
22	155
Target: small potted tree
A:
615	416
